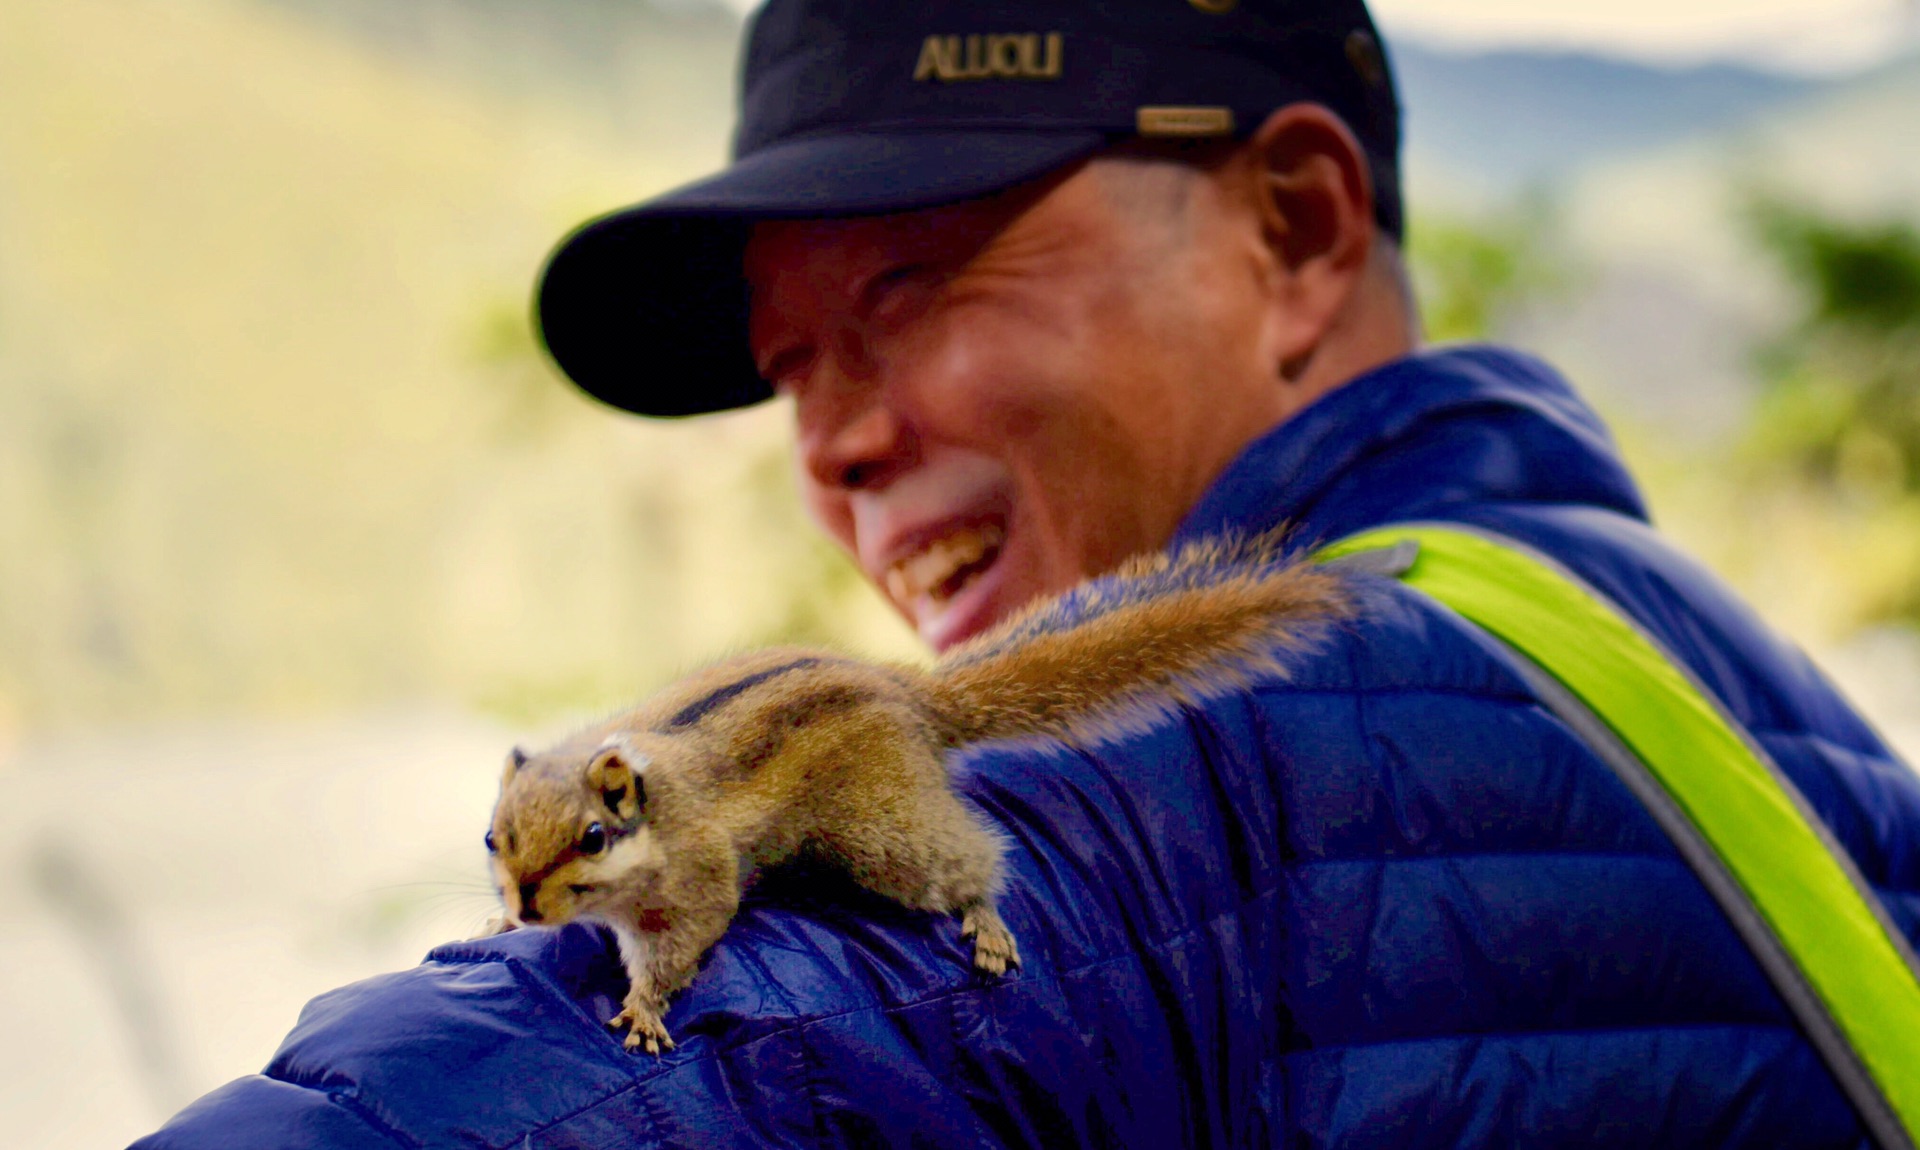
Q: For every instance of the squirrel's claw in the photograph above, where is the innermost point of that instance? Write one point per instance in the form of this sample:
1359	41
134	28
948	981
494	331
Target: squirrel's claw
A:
498	924
994	950
644	1028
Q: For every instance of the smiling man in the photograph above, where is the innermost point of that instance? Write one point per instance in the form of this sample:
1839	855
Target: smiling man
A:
1049	284
943	368
995	400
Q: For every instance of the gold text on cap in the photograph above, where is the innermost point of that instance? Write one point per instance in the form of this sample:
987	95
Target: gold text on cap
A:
1184	121
1215	7
1009	56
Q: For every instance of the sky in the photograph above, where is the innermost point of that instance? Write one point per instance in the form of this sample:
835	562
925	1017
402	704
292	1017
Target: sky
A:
1795	35
1801	35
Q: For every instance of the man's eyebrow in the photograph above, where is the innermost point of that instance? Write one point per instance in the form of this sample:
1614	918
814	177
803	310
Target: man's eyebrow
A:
894	274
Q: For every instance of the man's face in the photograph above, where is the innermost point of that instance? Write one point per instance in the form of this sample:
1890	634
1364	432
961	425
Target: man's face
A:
998	399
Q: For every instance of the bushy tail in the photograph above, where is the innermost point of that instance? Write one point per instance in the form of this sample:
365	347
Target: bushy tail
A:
1115	655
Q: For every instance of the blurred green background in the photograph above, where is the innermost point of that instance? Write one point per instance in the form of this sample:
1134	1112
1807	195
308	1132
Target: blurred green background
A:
298	531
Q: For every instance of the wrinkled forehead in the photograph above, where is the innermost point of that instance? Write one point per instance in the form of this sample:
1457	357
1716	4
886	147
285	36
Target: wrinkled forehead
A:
816	255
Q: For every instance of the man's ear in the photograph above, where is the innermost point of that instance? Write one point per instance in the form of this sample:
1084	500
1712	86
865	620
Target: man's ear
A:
615	772
1314	193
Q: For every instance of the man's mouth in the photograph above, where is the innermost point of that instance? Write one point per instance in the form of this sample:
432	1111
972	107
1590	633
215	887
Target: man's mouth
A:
932	576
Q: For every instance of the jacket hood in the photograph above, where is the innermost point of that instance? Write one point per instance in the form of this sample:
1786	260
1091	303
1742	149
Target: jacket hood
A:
1414	437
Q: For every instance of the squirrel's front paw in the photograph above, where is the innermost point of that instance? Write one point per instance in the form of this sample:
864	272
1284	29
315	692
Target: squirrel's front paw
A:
644	1027
994	950
498	924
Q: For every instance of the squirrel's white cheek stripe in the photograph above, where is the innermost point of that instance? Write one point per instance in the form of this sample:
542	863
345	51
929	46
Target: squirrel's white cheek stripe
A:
636	850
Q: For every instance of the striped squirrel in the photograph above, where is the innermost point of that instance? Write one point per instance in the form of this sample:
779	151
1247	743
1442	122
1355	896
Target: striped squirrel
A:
655	820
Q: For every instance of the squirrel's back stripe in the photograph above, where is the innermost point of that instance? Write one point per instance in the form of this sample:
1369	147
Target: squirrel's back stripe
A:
700	708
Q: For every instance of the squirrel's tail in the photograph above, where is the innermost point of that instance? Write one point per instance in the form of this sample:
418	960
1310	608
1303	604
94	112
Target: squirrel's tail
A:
1115	655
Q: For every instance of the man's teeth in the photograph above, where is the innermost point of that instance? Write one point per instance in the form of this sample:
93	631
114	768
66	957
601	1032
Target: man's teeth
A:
940	570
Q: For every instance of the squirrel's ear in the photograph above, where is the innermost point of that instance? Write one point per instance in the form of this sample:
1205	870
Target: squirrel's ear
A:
516	759
615	772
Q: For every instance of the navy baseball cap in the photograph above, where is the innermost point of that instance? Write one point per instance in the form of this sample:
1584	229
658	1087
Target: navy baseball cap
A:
866	107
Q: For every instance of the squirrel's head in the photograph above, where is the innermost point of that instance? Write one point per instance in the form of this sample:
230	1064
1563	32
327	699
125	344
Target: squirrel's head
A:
570	834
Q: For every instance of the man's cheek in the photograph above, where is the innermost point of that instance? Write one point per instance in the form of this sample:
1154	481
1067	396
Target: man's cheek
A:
1008	406
974	385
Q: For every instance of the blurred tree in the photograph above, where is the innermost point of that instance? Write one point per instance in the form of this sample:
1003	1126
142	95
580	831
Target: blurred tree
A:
1842	398
1839	413
1473	275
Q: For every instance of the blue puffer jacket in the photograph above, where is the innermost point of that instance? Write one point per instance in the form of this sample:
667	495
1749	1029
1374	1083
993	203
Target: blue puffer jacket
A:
1390	902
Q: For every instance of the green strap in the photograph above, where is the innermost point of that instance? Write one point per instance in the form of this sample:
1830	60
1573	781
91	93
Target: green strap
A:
1793	893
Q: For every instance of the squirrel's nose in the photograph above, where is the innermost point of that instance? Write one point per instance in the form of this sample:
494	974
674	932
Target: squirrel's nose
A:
528	892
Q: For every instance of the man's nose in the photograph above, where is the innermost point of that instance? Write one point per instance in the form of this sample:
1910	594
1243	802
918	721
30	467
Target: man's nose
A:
858	444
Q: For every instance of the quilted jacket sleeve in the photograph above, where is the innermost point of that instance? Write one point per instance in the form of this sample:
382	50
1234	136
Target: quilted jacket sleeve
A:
1141	883
263	1111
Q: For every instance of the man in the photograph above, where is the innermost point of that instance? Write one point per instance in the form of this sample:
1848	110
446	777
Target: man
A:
1047	285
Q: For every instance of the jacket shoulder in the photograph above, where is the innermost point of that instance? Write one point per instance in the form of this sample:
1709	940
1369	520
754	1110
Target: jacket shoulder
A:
481	1042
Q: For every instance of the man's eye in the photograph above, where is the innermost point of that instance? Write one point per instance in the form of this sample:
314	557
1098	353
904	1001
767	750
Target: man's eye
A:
897	293
893	277
784	368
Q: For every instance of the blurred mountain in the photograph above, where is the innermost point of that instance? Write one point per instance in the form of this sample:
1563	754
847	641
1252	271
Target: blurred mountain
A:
1486	123
1676	290
1481	123
1478	122
1853	146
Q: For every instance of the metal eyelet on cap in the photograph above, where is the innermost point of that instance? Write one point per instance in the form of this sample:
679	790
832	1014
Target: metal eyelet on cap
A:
1363	52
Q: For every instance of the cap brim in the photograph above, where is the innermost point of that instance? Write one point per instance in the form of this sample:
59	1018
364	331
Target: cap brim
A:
646	308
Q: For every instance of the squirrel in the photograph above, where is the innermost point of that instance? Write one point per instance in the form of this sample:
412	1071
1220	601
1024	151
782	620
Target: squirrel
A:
654	821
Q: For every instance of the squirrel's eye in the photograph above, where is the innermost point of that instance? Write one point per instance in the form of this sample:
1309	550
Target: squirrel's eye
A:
493	848
594	841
